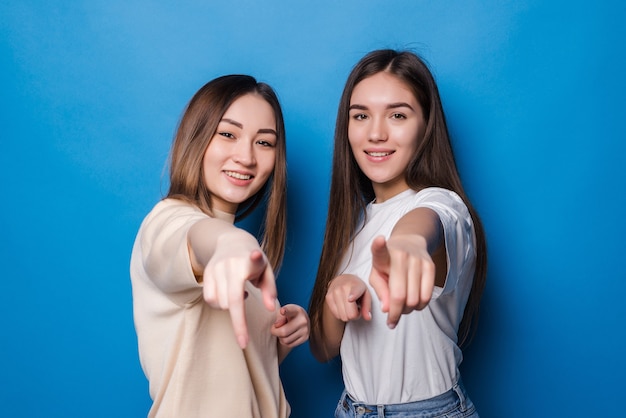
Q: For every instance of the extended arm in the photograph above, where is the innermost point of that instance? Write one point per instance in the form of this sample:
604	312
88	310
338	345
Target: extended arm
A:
223	258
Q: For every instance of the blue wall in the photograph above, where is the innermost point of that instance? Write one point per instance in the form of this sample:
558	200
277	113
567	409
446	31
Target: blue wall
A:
90	94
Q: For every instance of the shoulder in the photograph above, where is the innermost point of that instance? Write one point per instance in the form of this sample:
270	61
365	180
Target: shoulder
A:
446	203
170	205
175	207
438	194
172	213
438	197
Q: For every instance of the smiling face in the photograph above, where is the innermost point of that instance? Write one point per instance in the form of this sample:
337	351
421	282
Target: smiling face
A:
240	157
386	122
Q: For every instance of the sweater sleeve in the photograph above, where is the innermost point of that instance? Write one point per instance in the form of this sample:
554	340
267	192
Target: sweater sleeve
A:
162	241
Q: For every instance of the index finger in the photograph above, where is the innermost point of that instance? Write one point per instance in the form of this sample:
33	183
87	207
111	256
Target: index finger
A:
288	312
366	306
381	287
263	278
380	254
398	279
267	285
238	315
281	318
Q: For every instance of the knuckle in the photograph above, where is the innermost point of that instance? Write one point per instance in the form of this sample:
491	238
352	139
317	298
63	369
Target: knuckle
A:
397	298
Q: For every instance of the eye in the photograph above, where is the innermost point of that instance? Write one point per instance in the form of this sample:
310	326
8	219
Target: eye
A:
359	116
398	116
226	135
265	143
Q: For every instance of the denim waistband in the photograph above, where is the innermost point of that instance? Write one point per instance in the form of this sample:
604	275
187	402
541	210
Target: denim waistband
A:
453	398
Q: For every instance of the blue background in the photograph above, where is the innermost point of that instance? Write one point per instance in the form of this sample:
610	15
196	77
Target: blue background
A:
91	92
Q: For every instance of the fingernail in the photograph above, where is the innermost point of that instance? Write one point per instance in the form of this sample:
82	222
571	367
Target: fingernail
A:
391	326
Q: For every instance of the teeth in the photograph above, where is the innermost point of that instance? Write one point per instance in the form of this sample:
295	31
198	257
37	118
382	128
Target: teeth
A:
378	154
238	175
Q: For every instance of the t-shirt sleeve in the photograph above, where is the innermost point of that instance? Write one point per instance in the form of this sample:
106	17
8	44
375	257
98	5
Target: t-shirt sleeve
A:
458	232
163	242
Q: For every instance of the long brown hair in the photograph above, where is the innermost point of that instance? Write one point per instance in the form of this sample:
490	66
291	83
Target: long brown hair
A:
432	165
195	130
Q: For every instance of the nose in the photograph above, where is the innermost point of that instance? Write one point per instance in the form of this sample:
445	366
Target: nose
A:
378	130
244	152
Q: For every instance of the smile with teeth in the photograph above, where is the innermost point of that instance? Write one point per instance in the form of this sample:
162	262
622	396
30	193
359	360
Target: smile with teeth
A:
378	153
239	176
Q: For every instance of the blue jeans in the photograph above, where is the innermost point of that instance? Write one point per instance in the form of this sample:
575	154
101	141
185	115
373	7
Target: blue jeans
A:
452	404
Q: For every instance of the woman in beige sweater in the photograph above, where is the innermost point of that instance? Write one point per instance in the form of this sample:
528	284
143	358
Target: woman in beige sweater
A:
210	330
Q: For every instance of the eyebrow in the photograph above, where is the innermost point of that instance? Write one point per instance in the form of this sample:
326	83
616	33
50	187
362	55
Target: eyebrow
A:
240	126
389	106
232	122
267	131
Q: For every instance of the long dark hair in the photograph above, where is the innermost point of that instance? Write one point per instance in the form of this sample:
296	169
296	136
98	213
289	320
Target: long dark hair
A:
432	165
195	130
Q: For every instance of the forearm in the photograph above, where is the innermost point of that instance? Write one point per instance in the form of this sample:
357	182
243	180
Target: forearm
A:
420	223
325	347
205	236
282	351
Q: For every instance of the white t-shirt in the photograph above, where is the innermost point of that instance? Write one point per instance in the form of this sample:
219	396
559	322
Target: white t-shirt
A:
187	349
418	359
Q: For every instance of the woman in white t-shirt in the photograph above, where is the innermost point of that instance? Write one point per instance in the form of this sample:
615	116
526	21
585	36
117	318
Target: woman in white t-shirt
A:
403	264
210	330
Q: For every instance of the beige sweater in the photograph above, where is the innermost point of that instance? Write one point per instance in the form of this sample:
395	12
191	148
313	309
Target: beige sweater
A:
187	349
